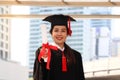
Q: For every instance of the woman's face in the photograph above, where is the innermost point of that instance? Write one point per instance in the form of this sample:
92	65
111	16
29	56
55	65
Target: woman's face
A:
59	34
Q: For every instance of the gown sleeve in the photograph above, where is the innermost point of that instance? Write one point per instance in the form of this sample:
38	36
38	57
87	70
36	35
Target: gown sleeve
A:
79	67
39	69
36	68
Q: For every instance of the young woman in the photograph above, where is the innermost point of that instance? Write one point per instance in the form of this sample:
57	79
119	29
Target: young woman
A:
58	61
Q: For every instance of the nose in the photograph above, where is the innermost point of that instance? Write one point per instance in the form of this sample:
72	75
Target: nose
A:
59	33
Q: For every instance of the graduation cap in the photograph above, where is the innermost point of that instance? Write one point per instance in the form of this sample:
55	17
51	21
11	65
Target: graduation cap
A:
60	19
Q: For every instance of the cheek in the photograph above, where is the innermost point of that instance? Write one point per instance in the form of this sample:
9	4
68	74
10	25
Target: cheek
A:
53	35
66	36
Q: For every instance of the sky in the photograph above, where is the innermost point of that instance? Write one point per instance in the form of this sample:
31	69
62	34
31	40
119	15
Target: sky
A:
20	34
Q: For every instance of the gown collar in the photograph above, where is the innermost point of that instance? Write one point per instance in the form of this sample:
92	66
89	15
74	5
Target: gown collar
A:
54	44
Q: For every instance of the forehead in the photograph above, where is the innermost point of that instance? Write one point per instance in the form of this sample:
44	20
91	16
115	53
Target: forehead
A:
59	27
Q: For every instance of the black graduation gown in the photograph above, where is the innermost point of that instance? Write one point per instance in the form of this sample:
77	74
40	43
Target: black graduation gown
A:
74	71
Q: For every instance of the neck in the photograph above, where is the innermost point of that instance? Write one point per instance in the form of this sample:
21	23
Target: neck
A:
61	45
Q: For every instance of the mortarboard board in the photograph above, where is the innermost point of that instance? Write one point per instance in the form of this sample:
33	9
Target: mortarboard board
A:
60	19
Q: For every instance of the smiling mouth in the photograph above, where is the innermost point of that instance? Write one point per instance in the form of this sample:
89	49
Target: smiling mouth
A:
59	38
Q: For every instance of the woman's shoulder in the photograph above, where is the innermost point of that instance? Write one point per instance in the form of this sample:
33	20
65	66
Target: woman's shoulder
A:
73	50
76	52
38	51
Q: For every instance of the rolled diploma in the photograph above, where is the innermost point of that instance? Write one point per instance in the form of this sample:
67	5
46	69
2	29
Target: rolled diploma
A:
44	33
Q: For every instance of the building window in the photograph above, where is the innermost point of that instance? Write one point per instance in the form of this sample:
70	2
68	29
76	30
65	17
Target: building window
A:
1	20
6	21
6	37
1	44
2	11
2	28
1	54
6	54
6	46
6	29
1	35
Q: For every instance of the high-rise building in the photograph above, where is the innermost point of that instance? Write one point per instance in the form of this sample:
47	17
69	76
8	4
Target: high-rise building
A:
83	35
4	34
102	32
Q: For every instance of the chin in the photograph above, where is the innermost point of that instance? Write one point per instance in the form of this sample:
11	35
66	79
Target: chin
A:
59	42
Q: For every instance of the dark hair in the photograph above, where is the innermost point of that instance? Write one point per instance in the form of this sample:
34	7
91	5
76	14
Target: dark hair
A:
69	54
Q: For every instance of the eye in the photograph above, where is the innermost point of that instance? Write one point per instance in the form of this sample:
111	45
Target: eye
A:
56	30
63	30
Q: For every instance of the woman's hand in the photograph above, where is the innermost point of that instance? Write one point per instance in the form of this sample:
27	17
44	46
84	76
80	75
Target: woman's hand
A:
45	55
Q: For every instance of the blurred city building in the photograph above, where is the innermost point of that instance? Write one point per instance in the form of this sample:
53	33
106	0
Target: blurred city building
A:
9	70
105	68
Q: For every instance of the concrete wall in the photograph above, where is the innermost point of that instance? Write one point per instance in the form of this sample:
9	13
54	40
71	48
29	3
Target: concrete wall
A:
110	77
102	67
12	71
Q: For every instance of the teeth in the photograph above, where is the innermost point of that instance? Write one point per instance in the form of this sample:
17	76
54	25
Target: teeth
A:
59	38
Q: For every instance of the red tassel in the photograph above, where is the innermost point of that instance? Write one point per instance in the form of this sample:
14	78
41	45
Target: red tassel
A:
69	27
64	63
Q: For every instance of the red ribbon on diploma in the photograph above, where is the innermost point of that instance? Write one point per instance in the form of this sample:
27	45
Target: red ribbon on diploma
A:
43	50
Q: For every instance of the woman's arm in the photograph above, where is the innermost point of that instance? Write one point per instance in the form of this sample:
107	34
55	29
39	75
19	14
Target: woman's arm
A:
79	67
39	71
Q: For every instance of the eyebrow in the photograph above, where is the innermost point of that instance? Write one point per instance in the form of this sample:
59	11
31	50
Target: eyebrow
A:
59	28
